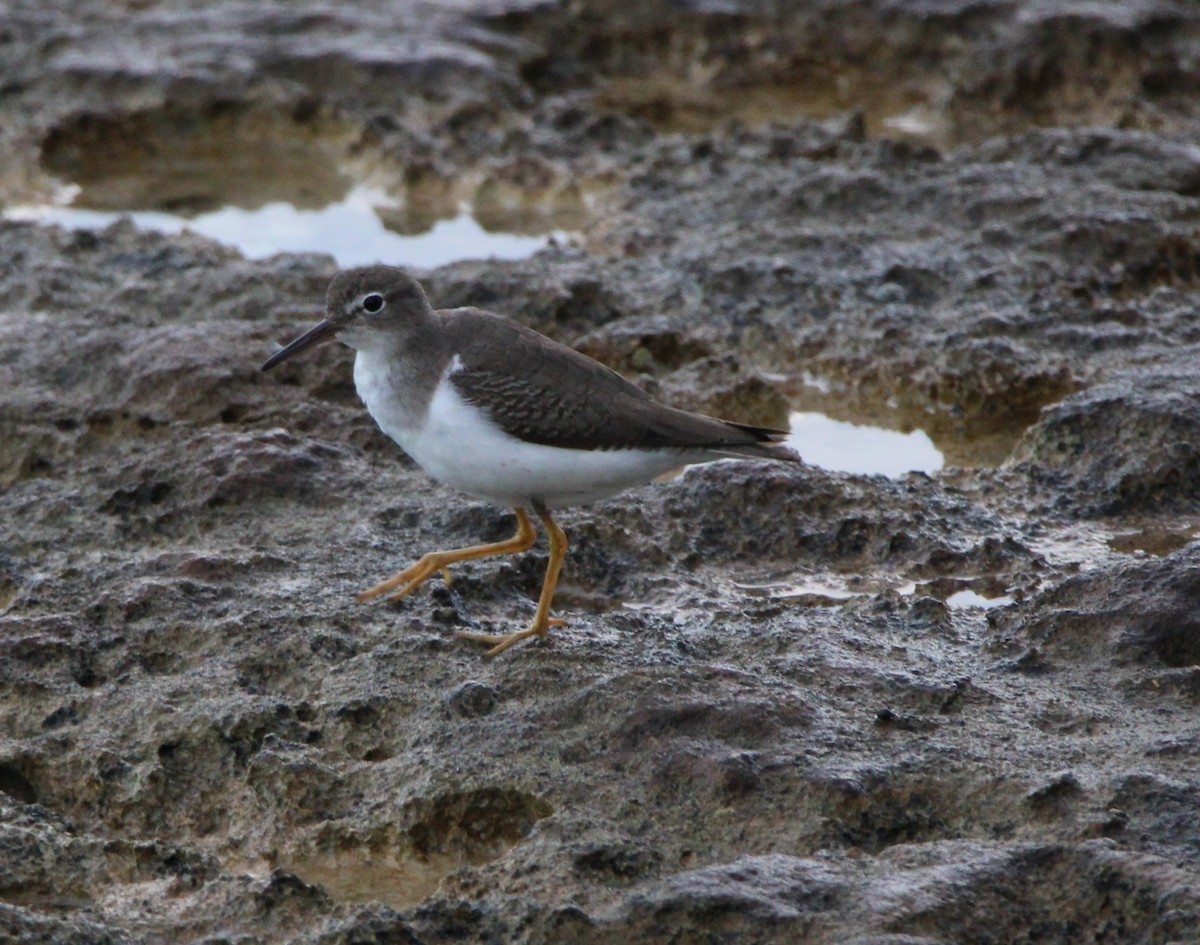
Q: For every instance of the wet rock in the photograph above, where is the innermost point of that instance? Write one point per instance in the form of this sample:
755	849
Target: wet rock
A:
1055	798
637	346
472	700
1128	159
1024	88
746	722
1063	887
1128	446
372	926
771	897
475	820
50	862
26	925
573	298
1156	808
723	388
1142	611
779	892
756	512
773	713
621	862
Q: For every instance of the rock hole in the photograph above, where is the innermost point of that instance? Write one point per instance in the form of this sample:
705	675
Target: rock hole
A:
403	867
16	785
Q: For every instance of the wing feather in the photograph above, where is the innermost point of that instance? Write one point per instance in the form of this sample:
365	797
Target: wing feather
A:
543	392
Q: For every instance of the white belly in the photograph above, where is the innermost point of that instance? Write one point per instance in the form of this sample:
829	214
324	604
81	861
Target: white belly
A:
458	445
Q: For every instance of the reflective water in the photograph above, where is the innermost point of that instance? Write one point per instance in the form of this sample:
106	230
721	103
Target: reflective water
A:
855	448
350	230
967	598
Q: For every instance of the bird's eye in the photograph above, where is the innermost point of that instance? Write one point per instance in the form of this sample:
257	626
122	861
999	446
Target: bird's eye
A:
372	303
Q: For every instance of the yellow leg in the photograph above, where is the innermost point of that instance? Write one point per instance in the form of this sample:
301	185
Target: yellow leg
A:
542	621
415	575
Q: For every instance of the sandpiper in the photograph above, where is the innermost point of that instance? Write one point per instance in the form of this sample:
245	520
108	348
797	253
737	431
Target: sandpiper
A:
494	409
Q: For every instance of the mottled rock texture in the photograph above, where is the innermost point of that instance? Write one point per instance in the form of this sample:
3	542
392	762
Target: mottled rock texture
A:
774	717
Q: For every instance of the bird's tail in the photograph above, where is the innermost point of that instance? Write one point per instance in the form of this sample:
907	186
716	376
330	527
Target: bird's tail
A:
767	444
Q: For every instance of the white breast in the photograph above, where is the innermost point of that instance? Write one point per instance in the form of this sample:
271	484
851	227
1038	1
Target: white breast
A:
400	418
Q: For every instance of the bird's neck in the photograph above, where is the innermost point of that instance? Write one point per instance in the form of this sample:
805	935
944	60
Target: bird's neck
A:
395	376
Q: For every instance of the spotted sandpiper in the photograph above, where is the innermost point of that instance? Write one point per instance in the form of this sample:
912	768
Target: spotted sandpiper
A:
500	412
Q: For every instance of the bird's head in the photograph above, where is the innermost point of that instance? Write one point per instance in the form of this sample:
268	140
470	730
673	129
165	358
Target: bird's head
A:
363	304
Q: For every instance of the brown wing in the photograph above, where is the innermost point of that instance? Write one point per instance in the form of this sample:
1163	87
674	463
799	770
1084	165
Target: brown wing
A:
543	392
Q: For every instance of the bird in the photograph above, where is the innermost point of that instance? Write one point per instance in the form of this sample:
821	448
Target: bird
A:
500	412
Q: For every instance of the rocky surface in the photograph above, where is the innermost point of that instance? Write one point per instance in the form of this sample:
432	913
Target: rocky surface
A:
775	715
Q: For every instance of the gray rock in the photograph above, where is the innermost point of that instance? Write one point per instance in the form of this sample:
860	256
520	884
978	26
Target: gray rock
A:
789	703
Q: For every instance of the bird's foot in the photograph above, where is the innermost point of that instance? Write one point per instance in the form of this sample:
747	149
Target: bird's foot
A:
413	576
417	574
499	642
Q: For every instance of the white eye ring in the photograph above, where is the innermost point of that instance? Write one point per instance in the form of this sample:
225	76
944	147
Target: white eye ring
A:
372	303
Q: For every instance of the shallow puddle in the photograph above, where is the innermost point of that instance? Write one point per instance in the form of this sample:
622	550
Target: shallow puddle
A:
829	590
809	592
909	110
865	434
349	229
269	180
1156	540
858	448
961	600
